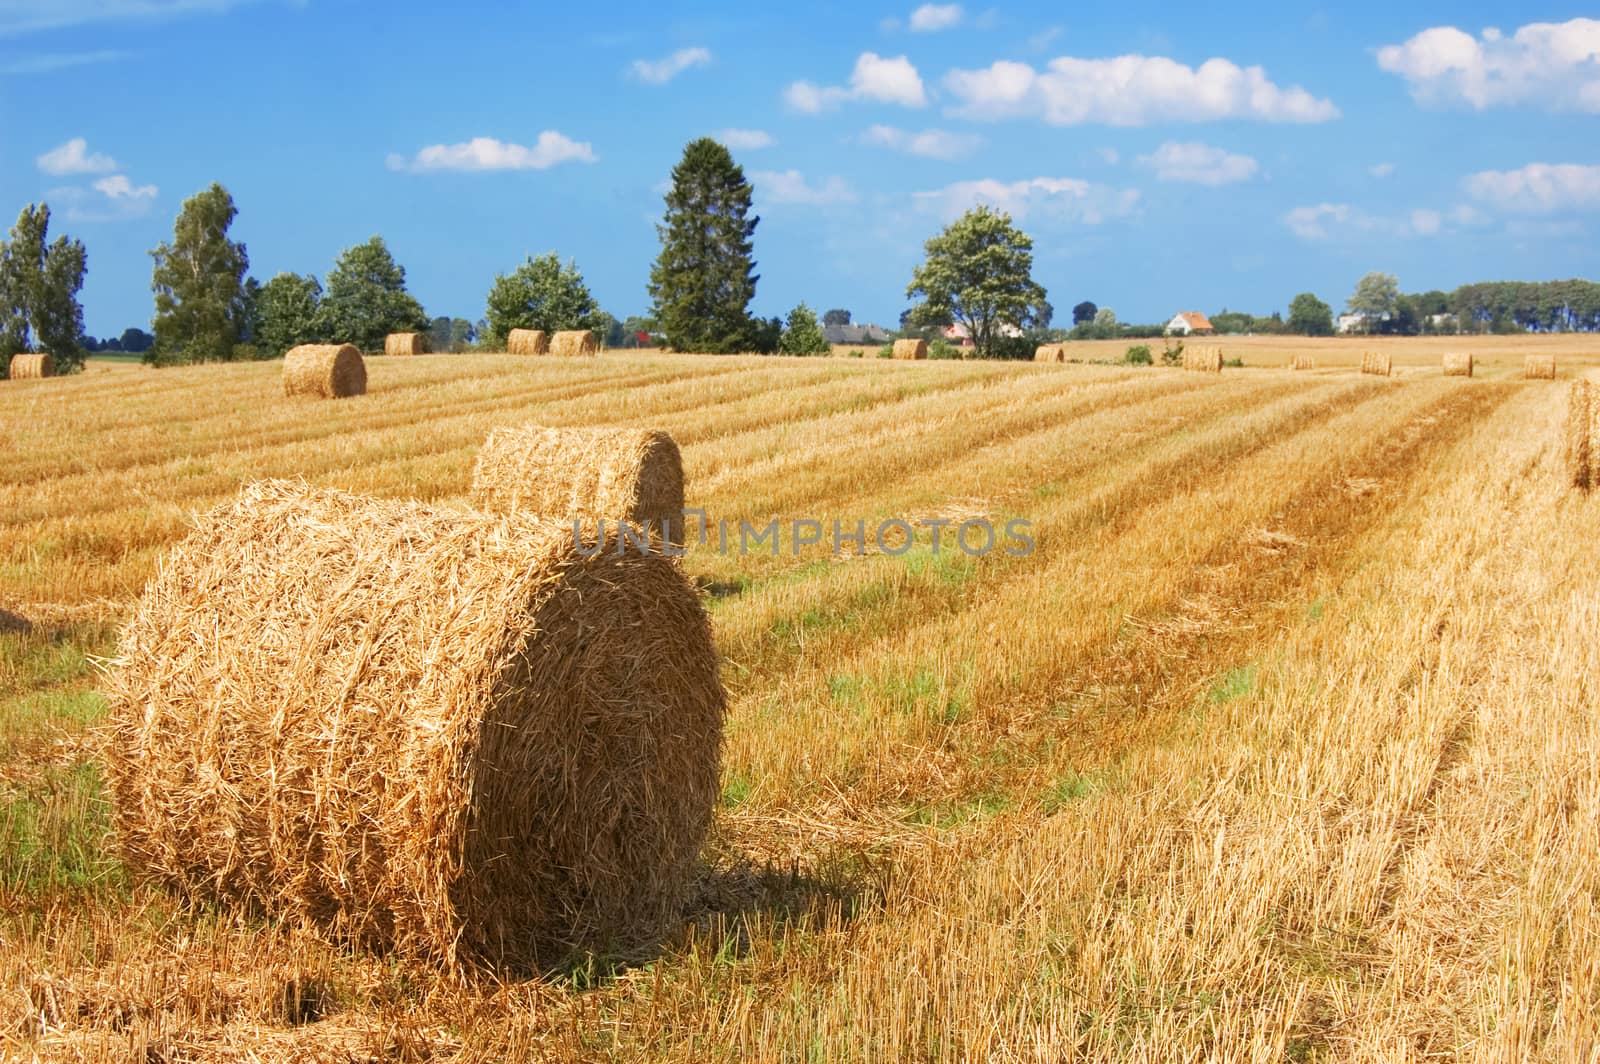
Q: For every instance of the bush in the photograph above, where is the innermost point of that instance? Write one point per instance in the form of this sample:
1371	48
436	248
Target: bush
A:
1172	354
857	353
943	348
247	353
886	351
1233	363
802	335
1138	355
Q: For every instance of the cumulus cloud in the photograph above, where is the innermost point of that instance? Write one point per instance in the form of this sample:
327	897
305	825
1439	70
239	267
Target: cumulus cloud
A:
1381	169
109	199
874	78
930	143
1199	164
118	187
661	71
1538	188
486	153
931	18
1130	90
790	186
1060	198
1332	221
1544	63
745	139
74	157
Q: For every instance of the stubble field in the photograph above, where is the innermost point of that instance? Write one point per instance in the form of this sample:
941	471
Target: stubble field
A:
1281	744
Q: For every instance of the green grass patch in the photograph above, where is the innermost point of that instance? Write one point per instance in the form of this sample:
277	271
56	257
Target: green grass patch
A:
1073	787
946	815
53	833
1236	684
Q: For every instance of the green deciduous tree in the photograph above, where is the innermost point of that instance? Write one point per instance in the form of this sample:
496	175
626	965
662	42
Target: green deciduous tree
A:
287	313
366	298
802	335
1084	313
39	284
539	294
1310	316
979	272
1377	296
202	307
837	316
704	278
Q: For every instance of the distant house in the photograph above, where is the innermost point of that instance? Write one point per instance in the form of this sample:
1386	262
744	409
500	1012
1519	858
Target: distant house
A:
1353	323
855	334
961	337
1190	323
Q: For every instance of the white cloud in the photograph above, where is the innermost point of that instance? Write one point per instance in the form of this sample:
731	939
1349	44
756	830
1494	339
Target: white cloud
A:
931	18
1331	221
1538	188
486	153
74	157
23	16
745	139
1546	63
930	143
1381	170
1060	198
1130	90
49	62
1109	156
118	187
661	71
874	78
789	186
1199	164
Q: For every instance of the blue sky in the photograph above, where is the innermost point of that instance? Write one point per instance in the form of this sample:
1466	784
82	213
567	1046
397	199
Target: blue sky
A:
1163	157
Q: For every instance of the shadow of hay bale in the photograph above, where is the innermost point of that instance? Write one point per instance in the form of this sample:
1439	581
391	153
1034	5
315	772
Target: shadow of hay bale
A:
14	622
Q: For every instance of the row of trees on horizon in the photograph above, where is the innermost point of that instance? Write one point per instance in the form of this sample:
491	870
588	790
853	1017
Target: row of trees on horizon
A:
977	273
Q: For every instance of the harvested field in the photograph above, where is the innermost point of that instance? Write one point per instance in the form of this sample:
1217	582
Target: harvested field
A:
1279	742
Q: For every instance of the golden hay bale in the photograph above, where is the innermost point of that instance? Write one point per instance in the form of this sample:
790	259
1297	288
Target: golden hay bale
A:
1582	421
31	367
616	474
1050	353
1300	362
911	349
571	342
1203	359
1458	365
1376	364
330	371
527	342
408	343
1540	367
443	733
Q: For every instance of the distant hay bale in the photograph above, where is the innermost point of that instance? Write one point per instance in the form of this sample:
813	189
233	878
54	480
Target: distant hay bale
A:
1376	364
1300	362
1539	368
527	342
1582	421
328	371
441	733
1050	353
1203	359
570	342
911	349
631	475
32	367
1458	365
408	343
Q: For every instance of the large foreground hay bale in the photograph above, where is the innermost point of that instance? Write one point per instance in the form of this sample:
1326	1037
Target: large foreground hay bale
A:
31	367
1583	419
1377	364
580	473
527	342
571	342
329	371
408	343
1540	367
439	732
1458	365
1050	353
911	349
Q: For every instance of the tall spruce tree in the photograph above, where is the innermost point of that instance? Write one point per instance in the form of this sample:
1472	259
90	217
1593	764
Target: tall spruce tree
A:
704	279
202	307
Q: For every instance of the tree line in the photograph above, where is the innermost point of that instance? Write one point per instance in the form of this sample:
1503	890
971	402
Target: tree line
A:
976	274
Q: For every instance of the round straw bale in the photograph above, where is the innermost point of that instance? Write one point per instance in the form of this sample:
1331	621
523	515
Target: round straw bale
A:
1377	364
1540	367
437	732
407	343
1581	424
582	473
911	349
1050	353
31	367
574	342
331	371
1458	365
1303	362
527	342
